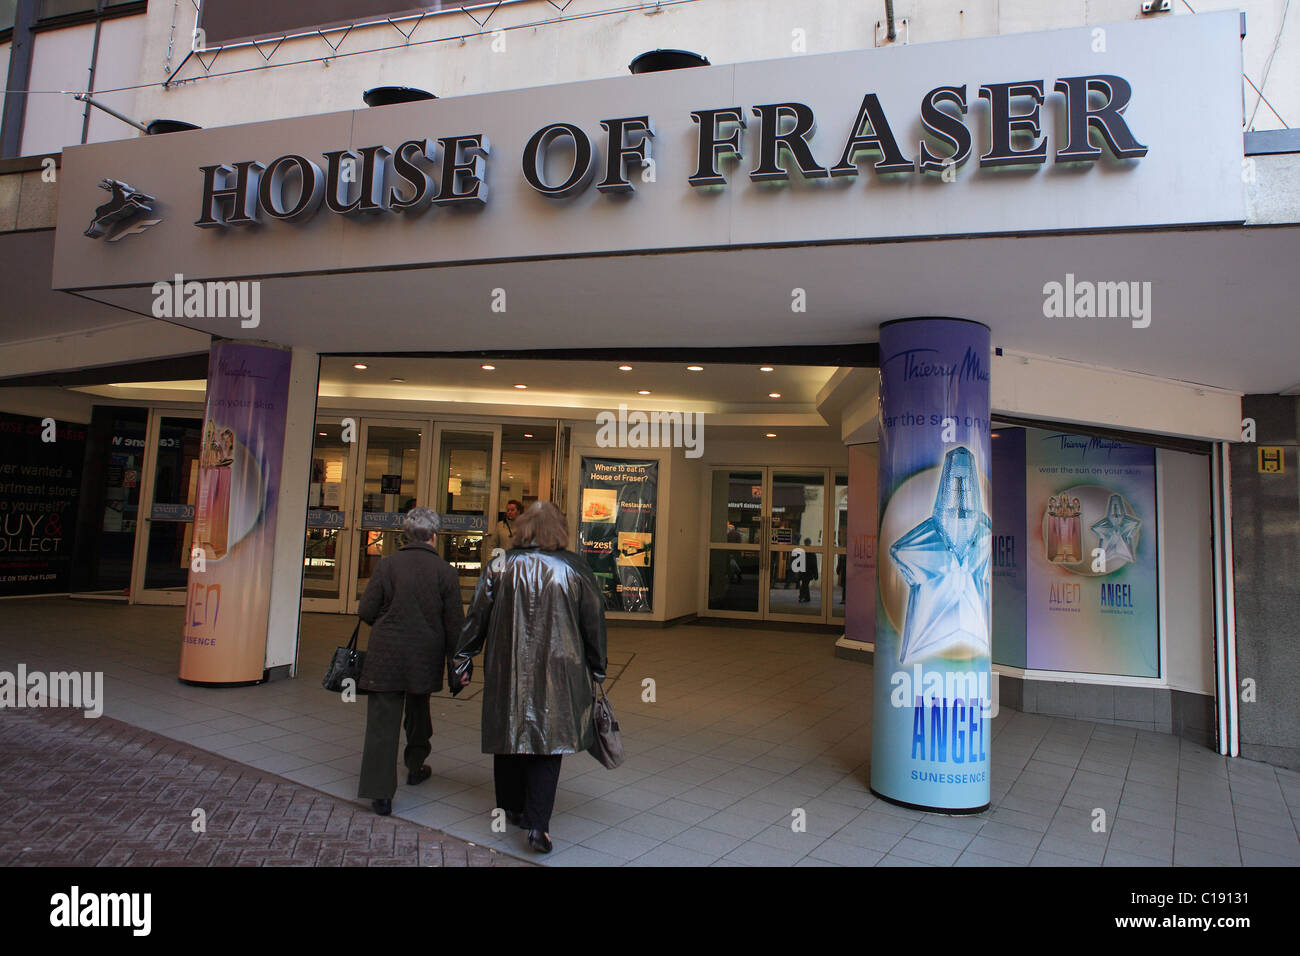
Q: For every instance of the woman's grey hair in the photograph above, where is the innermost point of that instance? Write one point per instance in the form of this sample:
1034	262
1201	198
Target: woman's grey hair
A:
421	524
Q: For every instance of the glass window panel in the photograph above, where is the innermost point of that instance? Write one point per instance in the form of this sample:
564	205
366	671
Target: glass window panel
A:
841	510
837	585
737	507
389	481
733	579
60	8
797	509
171	528
464	495
795	590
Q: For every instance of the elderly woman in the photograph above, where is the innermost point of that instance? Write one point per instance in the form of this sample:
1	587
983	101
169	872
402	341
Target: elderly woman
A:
540	615
413	603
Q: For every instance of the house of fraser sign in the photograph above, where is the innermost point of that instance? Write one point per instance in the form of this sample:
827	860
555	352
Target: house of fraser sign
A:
454	170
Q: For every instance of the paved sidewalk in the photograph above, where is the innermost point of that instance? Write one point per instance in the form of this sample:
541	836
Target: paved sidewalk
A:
97	792
746	727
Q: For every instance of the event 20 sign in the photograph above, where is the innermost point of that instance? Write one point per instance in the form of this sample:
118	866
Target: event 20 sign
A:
293	187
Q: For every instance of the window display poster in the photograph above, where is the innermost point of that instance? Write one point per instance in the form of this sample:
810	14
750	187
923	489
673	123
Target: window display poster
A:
40	481
616	526
1009	570
1092	604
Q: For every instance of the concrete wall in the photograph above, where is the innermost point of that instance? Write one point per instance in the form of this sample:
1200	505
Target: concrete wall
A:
1266	529
530	42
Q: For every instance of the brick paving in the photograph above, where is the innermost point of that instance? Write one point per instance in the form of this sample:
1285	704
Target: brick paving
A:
99	792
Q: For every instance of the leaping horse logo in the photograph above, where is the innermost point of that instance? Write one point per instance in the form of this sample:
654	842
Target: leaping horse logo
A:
127	203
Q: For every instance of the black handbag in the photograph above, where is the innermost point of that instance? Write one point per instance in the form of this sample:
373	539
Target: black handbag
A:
608	745
346	664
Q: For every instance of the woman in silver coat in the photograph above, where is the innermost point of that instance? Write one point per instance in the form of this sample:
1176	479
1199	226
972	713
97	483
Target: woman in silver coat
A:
539	616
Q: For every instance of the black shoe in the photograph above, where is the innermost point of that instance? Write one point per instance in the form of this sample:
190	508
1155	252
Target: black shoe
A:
539	841
515	819
419	775
382	807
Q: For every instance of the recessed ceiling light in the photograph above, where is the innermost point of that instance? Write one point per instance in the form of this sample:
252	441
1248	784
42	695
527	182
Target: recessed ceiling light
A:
488	368
395	379
528	435
521	386
644	391
767	368
360	366
625	368
773	394
322	434
695	368
770	435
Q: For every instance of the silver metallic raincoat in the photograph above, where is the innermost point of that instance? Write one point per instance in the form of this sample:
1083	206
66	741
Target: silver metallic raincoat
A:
539	618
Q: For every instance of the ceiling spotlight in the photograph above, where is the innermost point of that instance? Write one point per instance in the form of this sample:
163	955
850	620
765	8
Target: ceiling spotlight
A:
644	391
625	368
521	386
528	434
773	394
396	379
695	368
488	368
360	366
767	368
322	434
770	435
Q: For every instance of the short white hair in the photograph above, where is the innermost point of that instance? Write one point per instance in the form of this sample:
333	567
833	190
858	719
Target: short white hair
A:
421	524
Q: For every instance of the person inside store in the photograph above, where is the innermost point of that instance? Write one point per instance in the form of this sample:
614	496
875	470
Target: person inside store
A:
413	606
505	527
809	573
539	619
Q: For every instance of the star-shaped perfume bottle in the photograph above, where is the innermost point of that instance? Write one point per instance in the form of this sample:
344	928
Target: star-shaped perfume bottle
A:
1117	533
945	561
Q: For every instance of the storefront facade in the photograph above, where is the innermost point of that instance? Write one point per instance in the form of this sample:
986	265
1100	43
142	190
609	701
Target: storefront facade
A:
1082	197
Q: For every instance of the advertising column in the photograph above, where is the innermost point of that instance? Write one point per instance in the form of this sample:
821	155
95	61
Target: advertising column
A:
240	456
931	702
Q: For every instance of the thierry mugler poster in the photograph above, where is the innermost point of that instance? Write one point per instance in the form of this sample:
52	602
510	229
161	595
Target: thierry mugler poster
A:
1092	595
40	479
617	529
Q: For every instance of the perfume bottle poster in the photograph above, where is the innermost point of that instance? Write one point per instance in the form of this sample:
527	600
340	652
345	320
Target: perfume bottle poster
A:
1092	602
240	457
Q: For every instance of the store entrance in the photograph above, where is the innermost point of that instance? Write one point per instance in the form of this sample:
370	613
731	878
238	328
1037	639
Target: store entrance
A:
776	549
366	473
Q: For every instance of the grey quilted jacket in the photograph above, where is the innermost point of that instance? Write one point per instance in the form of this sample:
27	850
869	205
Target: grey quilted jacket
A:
413	603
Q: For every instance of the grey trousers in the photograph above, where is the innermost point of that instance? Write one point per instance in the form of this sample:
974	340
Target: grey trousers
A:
384	723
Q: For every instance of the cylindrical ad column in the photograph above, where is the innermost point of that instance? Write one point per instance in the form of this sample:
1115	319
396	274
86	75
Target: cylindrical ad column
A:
932	700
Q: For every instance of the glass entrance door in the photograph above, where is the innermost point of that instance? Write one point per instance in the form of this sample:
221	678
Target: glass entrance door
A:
391	468
167	526
327	552
467	497
771	549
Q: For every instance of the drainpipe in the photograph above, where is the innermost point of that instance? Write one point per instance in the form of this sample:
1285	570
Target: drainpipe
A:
891	33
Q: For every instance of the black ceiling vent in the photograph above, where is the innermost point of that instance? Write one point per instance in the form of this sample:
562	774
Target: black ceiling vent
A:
656	61
392	95
160	126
